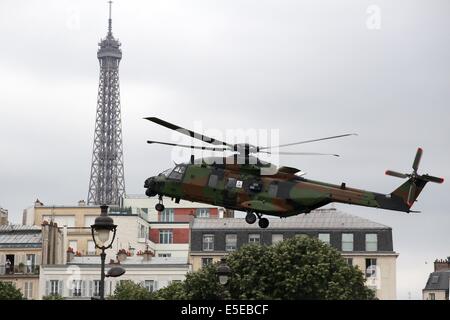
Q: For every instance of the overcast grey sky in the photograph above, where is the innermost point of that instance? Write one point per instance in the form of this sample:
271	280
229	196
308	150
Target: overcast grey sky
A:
307	68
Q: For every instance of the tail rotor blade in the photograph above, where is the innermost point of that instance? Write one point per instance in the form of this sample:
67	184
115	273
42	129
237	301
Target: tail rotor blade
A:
432	179
396	174
417	159
412	193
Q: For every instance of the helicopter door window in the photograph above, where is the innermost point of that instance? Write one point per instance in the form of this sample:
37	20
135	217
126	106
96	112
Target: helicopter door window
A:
273	189
177	173
231	183
213	179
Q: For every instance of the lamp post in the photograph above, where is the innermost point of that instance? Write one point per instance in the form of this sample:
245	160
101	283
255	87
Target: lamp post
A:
101	230
223	272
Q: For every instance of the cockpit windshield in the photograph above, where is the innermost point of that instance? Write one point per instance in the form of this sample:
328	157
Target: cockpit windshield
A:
175	173
166	172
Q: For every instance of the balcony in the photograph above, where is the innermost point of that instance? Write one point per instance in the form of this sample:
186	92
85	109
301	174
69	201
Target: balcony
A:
19	271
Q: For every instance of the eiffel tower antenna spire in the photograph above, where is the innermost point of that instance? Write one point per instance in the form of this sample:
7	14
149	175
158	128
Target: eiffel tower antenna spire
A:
110	19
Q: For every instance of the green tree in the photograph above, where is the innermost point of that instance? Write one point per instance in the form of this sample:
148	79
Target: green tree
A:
298	268
128	290
174	291
8	291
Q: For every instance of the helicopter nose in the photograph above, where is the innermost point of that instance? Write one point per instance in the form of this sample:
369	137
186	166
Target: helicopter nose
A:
151	185
149	182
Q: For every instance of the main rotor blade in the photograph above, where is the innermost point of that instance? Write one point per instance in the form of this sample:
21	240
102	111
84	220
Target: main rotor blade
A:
301	153
308	141
188	146
187	132
396	174
417	159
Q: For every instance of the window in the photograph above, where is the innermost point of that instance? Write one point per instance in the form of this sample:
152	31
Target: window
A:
167	215
202	213
431	296
31	262
91	247
206	262
77	290
164	255
273	189
349	261
371	242
230	242
74	245
96	288
165	236
54	287
142	231
28	290
149	285
325	237
208	242
371	267
435	279
277	238
347	242
177	173
213	179
254	238
231	183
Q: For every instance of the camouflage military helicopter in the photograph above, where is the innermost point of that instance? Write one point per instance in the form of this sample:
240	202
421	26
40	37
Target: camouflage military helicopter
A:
236	182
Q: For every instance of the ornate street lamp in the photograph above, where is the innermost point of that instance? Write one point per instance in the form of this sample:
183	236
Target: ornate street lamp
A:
223	271
101	230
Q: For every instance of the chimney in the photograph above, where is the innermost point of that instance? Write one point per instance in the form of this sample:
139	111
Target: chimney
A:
442	264
81	203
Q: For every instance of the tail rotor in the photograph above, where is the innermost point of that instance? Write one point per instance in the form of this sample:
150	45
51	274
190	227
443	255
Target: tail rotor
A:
417	180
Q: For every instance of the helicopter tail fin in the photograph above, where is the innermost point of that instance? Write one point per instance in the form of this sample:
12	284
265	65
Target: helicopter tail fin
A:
410	190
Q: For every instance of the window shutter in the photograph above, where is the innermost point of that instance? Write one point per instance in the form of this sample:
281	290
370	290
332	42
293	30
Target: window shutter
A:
38	259
60	287
83	288
91	286
47	287
155	285
71	286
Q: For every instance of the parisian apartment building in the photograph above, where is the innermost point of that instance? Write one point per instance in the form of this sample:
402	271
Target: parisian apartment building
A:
438	283
361	242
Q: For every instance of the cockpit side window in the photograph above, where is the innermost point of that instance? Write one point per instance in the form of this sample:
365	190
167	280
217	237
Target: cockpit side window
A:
177	172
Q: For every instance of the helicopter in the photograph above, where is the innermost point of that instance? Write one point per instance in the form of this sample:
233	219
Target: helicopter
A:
236	182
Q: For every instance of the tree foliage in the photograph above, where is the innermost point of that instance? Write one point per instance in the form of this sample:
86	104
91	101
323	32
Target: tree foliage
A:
128	290
8	291
298	268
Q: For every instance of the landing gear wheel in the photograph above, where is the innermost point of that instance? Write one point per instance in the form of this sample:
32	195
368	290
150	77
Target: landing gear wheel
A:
250	218
263	223
159	207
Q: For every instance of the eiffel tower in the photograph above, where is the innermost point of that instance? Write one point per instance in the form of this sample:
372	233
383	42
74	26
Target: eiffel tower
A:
107	183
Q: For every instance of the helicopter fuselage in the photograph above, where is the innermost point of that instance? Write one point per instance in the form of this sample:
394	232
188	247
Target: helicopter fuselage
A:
243	188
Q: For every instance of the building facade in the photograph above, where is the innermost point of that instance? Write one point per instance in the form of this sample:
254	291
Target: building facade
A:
24	250
80	278
168	232
361	242
438	283
76	219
